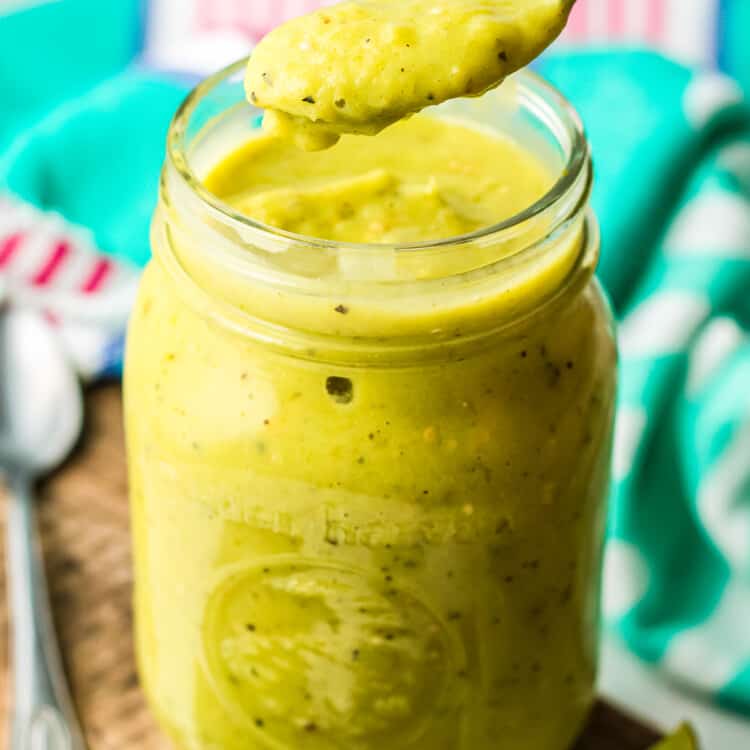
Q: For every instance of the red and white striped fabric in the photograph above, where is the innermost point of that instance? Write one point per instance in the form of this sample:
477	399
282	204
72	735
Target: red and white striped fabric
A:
199	36
182	32
676	25
254	18
48	264
686	30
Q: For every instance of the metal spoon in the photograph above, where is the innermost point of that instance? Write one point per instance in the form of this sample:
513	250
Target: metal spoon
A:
41	415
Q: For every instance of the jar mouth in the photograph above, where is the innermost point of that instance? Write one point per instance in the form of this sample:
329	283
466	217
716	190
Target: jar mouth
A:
384	302
557	111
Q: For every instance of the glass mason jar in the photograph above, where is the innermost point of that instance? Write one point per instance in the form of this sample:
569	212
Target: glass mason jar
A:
380	528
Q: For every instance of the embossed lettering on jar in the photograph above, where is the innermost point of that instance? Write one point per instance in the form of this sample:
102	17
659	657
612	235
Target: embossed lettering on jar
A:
378	527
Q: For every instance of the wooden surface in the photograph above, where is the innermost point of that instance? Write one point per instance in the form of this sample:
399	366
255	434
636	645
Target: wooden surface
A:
84	519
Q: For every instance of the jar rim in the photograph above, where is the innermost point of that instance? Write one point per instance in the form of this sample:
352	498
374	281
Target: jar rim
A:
578	160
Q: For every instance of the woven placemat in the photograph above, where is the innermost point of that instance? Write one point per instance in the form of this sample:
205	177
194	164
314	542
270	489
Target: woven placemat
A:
84	520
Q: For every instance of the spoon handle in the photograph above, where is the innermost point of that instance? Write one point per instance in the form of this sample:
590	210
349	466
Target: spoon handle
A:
44	717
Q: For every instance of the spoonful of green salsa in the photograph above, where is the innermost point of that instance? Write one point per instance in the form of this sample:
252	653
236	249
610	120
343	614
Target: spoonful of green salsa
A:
362	65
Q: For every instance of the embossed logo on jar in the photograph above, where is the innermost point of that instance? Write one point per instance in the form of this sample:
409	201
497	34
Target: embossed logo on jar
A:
298	647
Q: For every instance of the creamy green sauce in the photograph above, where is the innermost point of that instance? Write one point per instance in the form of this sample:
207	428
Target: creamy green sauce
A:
423	179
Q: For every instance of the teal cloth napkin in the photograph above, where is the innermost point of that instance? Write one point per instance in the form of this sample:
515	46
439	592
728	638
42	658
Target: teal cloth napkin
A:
53	51
96	159
672	155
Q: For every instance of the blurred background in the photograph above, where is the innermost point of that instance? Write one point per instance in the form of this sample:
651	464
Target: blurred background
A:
87	89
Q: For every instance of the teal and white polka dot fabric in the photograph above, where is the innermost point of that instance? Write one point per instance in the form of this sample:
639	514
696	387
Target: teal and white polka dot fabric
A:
672	150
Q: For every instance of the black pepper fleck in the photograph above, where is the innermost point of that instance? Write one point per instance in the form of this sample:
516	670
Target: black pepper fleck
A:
553	373
536	611
340	389
343	309
346	210
566	594
259	723
309	100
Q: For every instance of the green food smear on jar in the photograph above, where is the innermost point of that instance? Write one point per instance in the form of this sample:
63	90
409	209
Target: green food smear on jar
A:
683	739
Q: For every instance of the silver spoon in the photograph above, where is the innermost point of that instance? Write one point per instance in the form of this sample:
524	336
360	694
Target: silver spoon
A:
41	414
